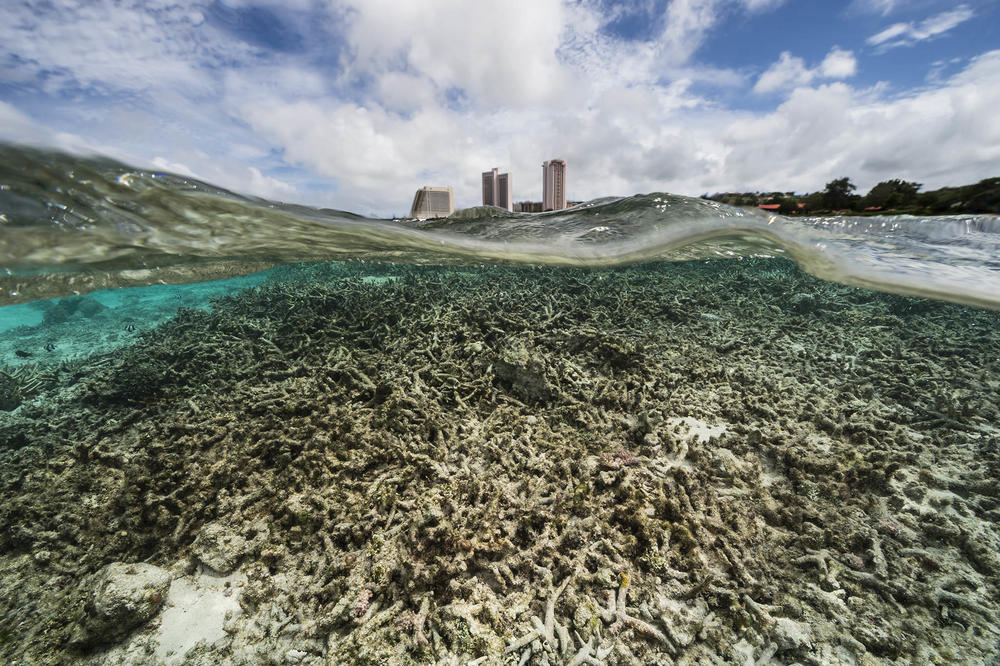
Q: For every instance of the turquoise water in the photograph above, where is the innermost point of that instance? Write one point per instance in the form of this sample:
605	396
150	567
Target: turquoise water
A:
54	330
155	302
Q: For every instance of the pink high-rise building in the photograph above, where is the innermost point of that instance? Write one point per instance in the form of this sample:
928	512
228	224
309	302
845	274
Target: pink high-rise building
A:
554	184
497	190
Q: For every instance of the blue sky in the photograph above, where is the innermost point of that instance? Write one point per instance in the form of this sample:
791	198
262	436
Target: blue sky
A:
354	104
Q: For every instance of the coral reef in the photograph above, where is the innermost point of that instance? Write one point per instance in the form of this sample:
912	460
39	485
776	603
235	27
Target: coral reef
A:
673	463
19	383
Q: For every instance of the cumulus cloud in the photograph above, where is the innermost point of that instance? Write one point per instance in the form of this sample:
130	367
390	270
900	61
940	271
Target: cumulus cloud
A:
791	71
163	164
907	34
493	51
108	47
377	103
821	133
838	64
19	128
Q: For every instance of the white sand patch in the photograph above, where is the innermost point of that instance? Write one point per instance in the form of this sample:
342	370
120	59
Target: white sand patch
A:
196	609
686	427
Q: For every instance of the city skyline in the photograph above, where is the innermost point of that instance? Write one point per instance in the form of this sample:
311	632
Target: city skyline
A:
497	189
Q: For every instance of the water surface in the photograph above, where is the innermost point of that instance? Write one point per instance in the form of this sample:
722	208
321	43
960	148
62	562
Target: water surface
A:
71	225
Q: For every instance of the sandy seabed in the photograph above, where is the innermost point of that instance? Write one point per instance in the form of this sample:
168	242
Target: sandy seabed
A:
709	462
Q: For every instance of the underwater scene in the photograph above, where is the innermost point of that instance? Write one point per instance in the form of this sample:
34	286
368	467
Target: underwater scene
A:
651	430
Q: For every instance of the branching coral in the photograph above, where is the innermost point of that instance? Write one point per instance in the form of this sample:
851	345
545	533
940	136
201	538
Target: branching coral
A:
19	383
424	502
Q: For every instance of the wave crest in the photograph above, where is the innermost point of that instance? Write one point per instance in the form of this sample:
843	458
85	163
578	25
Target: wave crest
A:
70	224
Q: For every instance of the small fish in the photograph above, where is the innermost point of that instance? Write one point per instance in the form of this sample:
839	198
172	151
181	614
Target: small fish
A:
22	354
50	346
130	327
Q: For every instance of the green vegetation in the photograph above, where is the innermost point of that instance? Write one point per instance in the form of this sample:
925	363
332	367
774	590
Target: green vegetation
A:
888	197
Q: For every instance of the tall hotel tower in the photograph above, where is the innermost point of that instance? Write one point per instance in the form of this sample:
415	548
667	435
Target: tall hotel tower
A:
554	185
497	190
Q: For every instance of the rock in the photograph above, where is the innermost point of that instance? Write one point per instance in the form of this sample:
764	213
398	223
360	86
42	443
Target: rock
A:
122	598
792	635
73	307
524	372
220	548
802	302
585	620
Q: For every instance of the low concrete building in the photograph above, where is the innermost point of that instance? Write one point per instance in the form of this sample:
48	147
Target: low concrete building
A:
431	202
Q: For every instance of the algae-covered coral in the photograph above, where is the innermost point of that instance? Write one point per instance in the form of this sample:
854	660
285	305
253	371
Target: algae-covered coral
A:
681	463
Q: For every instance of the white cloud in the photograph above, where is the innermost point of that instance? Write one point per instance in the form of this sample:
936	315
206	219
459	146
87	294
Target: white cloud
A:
19	128
407	107
163	164
493	51
688	21
939	136
838	64
762	5
239	178
907	34
269	187
642	139
791	71
883	7
109	47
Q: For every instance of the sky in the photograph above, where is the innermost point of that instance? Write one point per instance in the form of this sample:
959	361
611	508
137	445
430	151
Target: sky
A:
353	104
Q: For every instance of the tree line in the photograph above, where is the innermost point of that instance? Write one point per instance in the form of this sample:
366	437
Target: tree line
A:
888	197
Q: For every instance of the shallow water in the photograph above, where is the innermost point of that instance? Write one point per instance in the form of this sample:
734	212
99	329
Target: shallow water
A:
662	441
71	225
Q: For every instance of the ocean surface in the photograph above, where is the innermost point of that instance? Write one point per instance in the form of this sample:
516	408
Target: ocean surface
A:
72	224
650	429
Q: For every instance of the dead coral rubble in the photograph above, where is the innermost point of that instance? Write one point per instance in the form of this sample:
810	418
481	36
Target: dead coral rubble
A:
665	464
122	597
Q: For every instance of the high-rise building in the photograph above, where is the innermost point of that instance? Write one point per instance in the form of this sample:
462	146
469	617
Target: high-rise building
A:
554	184
490	187
497	189
433	202
505	197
